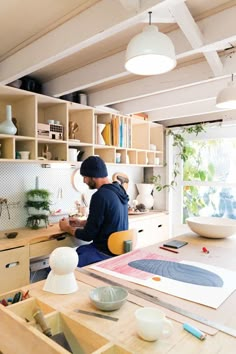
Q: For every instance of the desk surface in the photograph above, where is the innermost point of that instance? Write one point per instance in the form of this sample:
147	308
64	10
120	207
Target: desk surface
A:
222	253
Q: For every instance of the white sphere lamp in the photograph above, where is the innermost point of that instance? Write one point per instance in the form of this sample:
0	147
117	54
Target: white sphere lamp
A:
150	52
61	279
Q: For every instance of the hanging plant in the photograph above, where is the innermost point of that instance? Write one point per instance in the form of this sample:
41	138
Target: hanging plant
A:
183	153
38	207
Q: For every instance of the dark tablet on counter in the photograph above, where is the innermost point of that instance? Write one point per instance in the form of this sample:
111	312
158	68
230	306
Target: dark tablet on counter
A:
175	244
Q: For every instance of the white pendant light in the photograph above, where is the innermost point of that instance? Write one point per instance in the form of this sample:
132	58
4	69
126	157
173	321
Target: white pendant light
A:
226	98
150	52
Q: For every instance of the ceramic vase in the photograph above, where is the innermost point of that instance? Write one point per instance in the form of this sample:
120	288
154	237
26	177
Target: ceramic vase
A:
7	126
100	127
145	194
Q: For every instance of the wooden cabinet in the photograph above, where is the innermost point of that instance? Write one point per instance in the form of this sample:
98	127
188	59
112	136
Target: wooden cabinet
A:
151	229
15	262
45	248
14	268
43	130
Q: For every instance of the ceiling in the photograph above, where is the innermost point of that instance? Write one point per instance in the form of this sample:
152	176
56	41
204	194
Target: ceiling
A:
79	45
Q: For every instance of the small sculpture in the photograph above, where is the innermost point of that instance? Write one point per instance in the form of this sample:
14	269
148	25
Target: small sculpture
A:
73	128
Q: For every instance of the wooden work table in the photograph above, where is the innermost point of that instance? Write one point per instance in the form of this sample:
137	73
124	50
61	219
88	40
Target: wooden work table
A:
123	332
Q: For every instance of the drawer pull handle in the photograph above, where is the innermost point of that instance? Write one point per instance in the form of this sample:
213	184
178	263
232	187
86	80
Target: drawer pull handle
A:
160	225
60	238
13	264
141	230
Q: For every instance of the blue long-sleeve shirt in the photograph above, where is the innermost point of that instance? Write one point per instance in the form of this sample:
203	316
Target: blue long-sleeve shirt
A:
108	213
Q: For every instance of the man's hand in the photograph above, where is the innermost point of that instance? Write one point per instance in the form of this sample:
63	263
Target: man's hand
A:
76	222
65	226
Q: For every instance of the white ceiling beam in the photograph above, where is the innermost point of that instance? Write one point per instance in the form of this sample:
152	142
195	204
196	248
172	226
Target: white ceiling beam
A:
198	92
103	70
185	110
183	76
192	32
76	80
107	18
207	117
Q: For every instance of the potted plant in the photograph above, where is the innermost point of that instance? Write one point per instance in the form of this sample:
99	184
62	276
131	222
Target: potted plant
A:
38	207
183	154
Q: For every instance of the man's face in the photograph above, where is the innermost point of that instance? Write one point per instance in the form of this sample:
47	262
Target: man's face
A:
90	182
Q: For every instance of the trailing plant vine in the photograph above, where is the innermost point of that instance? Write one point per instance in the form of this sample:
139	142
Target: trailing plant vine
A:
183	153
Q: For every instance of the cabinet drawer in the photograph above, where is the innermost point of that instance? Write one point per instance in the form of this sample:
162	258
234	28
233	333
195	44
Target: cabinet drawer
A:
14	268
46	247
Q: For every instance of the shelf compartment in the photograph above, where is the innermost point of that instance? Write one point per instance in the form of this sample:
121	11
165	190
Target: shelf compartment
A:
151	158
157	136
132	156
26	145
56	148
87	150
123	155
23	109
7	147
140	134
106	153
85	120
52	109
142	158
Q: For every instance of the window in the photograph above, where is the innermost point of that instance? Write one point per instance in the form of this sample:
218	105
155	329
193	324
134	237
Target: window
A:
207	184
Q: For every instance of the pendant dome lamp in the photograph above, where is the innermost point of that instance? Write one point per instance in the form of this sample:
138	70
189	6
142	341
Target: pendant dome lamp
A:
226	98
150	52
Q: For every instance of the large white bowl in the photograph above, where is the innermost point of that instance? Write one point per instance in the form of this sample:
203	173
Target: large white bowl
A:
212	227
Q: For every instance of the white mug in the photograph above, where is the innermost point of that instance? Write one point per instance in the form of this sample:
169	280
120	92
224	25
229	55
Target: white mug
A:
152	324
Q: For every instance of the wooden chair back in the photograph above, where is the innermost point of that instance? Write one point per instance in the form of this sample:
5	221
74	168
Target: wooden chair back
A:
118	240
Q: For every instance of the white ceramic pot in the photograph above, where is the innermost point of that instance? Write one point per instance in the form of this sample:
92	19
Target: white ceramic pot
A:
145	197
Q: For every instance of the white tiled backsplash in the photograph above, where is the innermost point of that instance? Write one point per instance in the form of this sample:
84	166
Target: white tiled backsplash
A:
17	178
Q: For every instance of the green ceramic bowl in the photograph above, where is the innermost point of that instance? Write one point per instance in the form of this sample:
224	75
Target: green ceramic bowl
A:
108	298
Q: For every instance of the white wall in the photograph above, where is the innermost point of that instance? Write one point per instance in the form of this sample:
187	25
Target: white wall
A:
17	178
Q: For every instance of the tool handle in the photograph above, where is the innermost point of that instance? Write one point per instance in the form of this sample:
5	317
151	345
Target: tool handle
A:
39	318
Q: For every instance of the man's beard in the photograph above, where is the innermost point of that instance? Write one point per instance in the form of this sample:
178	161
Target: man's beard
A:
91	184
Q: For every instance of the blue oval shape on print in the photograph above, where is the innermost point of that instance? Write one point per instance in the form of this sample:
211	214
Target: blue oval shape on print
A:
178	271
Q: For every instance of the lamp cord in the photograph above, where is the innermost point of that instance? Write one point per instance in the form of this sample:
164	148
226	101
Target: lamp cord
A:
150	16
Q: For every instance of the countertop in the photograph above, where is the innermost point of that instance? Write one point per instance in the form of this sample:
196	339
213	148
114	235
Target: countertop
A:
28	236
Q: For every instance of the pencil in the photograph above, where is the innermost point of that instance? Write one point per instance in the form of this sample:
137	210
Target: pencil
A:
167	249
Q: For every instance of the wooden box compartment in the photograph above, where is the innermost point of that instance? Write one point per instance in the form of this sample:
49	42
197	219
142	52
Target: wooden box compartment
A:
80	338
7	147
107	154
142	158
26	145
157	136
23	110
21	334
57	150
132	156
140	135
86	149
52	109
151	158
14	268
85	120
123	155
26	308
